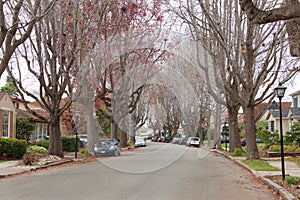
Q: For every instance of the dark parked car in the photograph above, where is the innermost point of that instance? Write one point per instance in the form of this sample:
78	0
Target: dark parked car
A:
244	141
107	147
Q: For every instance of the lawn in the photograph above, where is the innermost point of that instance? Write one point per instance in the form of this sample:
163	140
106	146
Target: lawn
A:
260	165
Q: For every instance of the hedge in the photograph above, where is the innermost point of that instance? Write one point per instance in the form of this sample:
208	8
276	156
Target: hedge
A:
12	147
68	143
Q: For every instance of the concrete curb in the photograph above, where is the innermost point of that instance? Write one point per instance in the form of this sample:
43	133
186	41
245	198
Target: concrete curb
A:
285	194
35	168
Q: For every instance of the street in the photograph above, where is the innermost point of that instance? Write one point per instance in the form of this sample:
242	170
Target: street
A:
159	171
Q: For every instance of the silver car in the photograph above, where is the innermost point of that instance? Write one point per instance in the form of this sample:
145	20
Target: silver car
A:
193	141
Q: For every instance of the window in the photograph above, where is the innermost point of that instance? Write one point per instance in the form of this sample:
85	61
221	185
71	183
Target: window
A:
42	132
295	102
5	123
271	127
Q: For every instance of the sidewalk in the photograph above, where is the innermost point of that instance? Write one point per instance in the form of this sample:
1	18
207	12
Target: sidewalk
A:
291	169
15	167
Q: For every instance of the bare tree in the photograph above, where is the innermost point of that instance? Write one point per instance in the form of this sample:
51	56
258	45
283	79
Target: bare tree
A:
52	56
247	58
289	11
17	19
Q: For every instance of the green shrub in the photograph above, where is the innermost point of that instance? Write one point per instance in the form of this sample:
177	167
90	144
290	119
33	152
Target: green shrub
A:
277	148
297	149
36	149
68	143
24	129
84	152
289	148
238	152
130	144
43	143
291	180
274	148
268	138
293	136
12	148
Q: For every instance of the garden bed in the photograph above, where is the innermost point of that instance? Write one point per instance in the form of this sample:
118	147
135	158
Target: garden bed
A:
292	188
278	154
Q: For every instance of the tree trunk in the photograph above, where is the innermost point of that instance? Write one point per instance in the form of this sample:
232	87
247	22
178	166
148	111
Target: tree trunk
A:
114	130
217	135
55	143
234	137
91	128
131	131
208	129
123	139
252	151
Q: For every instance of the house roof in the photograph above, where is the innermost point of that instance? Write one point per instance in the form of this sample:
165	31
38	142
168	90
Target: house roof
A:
295	93
285	106
2	94
274	106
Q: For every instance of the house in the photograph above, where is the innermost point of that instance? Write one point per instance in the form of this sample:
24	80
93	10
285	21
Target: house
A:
295	109
7	116
271	113
41	127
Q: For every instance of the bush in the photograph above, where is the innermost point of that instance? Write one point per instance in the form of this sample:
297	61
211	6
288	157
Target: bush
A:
68	143
274	148
84	152
36	149
268	138
293	137
43	143
24	129
12	148
277	148
130	145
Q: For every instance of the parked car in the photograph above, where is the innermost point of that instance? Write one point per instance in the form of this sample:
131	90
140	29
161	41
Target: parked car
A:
176	140
244	141
166	140
107	147
82	139
183	141
140	142
160	139
193	141
154	138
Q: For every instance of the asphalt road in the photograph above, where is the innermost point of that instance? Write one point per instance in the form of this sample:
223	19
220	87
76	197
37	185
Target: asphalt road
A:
156	172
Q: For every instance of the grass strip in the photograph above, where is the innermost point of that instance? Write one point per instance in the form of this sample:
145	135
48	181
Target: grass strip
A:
260	165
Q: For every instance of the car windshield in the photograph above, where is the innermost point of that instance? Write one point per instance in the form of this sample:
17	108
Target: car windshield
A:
105	142
195	139
139	140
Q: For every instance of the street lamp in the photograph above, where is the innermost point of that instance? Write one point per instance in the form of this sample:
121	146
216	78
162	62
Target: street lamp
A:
77	113
280	90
